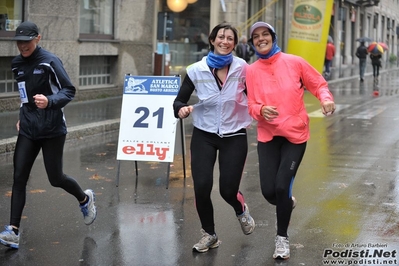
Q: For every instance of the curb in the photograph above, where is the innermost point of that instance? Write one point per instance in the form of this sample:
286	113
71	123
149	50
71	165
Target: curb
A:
76	132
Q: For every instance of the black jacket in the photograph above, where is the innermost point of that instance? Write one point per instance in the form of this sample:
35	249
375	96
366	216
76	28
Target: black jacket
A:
361	51
249	51
43	73
375	59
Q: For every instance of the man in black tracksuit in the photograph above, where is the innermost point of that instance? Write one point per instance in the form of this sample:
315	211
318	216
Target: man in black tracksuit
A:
45	89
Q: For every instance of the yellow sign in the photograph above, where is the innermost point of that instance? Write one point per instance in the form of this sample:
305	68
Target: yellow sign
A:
309	30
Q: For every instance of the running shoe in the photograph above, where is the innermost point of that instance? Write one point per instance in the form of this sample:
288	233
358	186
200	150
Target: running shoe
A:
282	250
206	242
246	221
89	209
9	238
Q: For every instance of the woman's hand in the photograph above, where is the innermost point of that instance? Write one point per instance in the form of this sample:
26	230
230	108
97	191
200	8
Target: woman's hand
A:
185	111
17	126
328	107
269	112
41	101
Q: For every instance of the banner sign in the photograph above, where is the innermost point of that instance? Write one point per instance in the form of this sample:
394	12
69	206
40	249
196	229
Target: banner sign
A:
148	126
309	30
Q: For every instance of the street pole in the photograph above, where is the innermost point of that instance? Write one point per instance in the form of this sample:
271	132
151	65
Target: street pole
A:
341	48
164	44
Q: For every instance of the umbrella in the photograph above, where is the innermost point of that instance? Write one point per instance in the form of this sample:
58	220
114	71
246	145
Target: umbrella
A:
384	46
377	48
364	39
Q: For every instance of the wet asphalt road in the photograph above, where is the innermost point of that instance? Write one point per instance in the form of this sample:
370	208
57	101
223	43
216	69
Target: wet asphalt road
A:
347	190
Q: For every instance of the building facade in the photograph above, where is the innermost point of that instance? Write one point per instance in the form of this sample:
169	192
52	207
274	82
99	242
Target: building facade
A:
99	41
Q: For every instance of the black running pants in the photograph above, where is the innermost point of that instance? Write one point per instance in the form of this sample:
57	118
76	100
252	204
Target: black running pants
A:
279	160
26	151
232	155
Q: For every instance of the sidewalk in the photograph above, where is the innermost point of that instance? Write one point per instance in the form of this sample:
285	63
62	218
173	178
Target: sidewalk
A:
97	116
349	72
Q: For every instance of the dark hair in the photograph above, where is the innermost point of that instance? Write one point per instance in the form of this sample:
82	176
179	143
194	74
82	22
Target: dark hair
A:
215	31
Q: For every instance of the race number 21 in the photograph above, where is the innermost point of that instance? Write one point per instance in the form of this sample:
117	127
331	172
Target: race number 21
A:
145	113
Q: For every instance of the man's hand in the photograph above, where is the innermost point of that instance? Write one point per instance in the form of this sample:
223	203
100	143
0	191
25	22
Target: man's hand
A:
41	101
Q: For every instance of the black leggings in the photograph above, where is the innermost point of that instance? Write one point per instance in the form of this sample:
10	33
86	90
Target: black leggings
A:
26	151
376	70
279	160
232	156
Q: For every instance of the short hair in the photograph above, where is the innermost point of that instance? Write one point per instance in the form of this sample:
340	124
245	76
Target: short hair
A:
215	31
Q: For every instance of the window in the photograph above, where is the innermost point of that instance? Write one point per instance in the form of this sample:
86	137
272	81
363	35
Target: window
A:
95	71
7	82
187	32
96	18
10	16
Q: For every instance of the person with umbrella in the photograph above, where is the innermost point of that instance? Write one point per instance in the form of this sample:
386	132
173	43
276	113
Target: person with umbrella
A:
376	50
376	63
361	53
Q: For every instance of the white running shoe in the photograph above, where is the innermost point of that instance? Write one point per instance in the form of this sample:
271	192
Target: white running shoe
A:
246	221
89	209
282	250
9	238
206	242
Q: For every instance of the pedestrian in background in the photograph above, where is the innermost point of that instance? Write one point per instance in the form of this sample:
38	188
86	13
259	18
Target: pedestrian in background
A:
220	119
330	53
244	50
276	84
361	53
45	89
376	63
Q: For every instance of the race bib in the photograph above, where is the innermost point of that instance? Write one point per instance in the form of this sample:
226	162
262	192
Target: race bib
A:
22	92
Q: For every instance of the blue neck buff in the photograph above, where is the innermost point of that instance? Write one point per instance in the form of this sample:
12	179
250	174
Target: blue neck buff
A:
218	61
275	49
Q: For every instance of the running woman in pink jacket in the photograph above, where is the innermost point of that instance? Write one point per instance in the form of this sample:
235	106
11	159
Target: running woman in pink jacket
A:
276	85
